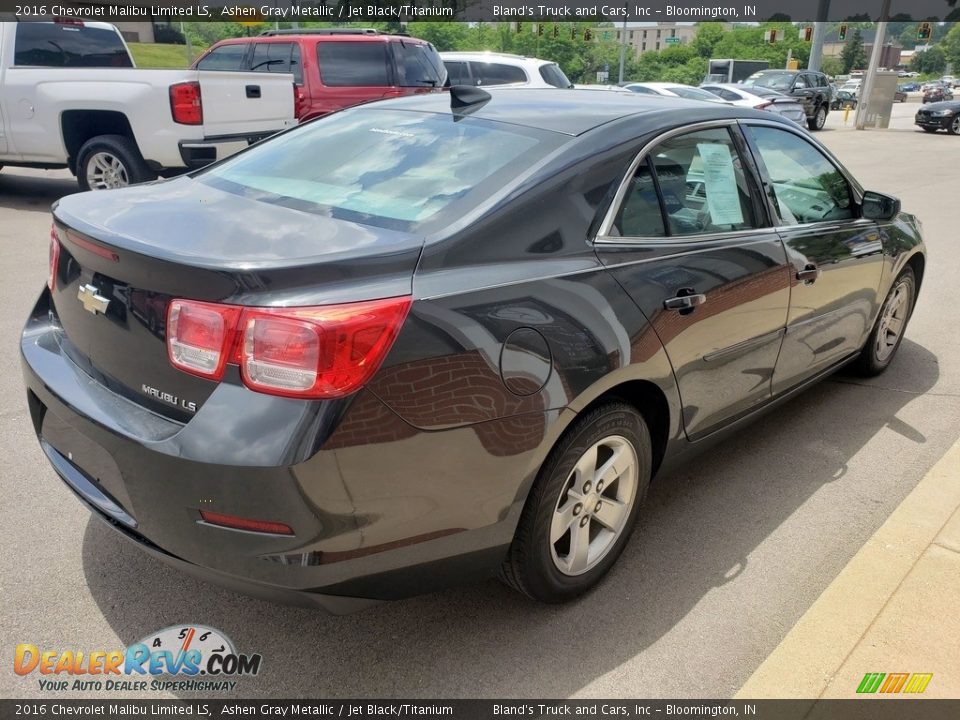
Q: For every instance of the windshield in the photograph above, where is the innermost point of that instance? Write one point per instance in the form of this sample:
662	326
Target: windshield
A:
553	75
692	93
389	168
775	81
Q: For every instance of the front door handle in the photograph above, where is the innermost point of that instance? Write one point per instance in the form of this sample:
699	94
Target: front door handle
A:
686	299
253	91
809	275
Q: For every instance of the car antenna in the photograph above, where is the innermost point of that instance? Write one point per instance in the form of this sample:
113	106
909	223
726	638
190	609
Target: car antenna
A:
464	99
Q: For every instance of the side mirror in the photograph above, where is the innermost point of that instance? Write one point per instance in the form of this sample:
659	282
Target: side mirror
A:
877	206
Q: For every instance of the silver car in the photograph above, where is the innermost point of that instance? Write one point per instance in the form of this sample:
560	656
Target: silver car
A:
759	98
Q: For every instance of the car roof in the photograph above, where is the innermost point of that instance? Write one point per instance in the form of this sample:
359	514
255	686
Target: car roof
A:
570	112
380	37
485	56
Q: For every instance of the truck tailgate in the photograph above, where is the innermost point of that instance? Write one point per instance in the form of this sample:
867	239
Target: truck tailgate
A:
241	103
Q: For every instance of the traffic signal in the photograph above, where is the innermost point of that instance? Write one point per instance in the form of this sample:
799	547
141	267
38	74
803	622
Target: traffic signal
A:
587	36
842	34
807	34
519	28
771	36
539	29
556	30
573	33
925	31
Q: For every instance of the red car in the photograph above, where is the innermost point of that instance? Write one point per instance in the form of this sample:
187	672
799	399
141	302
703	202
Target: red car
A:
334	68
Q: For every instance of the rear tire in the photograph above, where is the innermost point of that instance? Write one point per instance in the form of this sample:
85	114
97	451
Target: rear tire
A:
111	161
582	507
890	327
819	118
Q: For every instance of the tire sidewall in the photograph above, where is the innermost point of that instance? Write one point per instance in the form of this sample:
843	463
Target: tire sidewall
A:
543	579
954	127
871	363
120	148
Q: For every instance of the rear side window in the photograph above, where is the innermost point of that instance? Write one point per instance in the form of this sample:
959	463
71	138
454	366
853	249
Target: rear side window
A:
345	64
553	75
387	168
225	57
640	214
56	45
278	58
418	65
458	73
497	74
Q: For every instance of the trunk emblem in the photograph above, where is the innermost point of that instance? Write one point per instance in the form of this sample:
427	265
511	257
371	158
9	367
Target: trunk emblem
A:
92	301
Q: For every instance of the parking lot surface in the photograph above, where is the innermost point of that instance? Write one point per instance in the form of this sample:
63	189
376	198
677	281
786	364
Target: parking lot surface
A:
729	553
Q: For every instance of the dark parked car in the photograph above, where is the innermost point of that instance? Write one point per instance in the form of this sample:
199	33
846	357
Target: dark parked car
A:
843	99
334	68
424	341
937	93
813	89
940	116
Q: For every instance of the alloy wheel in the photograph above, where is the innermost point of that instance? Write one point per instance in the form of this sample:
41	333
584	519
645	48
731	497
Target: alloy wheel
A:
594	505
955	125
896	312
821	117
105	171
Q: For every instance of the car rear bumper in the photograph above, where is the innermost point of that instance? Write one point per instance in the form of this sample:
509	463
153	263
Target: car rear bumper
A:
370	522
200	153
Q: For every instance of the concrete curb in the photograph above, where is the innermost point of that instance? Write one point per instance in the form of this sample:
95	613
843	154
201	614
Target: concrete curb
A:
814	651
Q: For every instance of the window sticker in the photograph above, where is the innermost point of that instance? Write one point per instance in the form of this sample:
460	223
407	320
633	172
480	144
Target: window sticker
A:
723	197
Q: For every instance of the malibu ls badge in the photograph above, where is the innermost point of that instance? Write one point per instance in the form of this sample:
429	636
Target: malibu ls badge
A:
92	301
168	398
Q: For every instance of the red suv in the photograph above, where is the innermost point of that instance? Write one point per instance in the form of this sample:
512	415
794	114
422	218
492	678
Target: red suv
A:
334	68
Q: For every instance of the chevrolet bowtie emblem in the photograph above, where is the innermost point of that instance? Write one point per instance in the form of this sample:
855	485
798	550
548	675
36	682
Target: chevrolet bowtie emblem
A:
91	301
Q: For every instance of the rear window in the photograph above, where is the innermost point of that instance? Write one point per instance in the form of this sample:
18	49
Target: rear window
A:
389	168
225	57
418	65
553	75
486	73
56	45
278	58
361	64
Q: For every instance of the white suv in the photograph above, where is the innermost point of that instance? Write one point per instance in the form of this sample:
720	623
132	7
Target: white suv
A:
488	68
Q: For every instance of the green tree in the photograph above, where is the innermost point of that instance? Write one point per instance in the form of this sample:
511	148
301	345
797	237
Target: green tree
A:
951	48
443	35
853	56
706	39
930	62
832	66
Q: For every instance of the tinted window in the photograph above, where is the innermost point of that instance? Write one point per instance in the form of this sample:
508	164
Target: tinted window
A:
724	93
388	168
692	93
641	90
457	73
553	75
640	214
54	45
278	58
804	81
497	74
807	187
225	57
345	64
703	184
418	65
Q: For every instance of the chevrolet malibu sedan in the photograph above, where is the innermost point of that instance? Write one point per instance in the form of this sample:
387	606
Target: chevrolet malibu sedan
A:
438	338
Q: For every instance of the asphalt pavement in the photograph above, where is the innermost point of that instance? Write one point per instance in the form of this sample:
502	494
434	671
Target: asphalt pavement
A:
731	552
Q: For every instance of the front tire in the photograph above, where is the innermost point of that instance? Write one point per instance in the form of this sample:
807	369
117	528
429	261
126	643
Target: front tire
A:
819	118
107	162
954	127
582	507
891	324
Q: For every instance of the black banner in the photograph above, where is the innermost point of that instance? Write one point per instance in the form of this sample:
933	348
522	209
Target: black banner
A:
479	10
873	708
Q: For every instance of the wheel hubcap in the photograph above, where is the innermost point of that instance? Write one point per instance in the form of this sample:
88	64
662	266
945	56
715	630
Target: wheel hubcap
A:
105	172
892	320
956	124
821	117
594	505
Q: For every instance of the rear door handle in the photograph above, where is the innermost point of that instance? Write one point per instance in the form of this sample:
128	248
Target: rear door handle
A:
686	299
253	91
809	274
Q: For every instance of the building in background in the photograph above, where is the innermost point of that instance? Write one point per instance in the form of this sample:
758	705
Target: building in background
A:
890	53
649	37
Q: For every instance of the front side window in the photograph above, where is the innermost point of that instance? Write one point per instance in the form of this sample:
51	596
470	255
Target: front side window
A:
806	186
353	64
225	57
389	168
497	74
43	44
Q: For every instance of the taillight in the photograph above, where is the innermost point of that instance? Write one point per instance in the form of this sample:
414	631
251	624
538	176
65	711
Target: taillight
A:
186	105
200	336
54	258
762	106
327	351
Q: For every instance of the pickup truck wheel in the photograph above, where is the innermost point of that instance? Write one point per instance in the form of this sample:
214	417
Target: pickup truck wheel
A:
819	119
111	161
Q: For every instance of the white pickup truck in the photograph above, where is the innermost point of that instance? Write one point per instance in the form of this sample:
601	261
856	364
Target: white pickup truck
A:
71	97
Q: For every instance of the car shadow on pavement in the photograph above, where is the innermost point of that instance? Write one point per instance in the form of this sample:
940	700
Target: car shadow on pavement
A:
19	191
696	536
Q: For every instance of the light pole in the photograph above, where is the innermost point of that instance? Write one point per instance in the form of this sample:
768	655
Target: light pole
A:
869	80
819	30
623	43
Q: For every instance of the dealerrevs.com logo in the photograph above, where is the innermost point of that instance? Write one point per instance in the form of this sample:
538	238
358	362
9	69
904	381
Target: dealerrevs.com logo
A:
178	658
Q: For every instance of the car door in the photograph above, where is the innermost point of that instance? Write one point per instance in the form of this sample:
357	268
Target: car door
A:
836	255
803	91
690	240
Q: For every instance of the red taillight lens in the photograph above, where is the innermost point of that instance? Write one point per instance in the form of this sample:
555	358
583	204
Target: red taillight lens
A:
326	351
200	336
186	105
54	258
248	524
762	106
320	352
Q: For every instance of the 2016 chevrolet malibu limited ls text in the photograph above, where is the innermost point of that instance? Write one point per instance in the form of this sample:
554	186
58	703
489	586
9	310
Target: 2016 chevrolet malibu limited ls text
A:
422	341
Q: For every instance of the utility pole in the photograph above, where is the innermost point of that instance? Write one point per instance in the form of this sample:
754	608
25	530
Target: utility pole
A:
869	80
819	30
623	44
